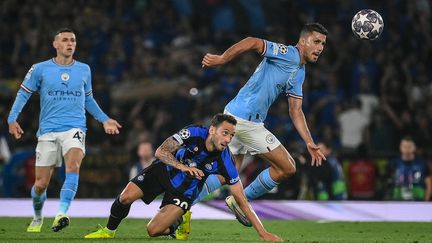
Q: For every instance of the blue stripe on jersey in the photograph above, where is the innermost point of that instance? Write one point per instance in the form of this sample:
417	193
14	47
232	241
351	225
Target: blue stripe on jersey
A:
177	180
279	71
192	191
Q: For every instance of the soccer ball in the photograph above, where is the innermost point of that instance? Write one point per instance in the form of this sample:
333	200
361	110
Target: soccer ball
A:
367	24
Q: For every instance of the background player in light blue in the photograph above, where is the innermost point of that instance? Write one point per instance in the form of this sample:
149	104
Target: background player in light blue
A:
282	70
65	90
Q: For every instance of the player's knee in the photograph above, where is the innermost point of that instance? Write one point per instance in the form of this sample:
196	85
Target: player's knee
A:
126	198
40	185
284	173
289	171
40	189
73	167
153	230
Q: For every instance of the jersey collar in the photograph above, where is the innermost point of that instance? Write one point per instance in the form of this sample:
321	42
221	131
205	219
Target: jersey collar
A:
72	63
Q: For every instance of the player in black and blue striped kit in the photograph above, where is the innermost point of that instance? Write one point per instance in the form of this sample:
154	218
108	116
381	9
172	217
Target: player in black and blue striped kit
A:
183	163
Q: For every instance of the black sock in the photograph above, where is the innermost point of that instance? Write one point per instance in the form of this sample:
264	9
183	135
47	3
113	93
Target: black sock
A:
119	211
174	226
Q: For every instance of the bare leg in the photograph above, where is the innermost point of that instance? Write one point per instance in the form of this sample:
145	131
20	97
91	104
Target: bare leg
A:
282	165
160	223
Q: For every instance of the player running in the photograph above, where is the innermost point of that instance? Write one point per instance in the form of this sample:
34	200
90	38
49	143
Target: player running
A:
281	70
65	89
183	162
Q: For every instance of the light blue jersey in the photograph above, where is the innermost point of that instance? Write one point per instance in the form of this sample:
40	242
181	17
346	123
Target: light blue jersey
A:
279	71
65	94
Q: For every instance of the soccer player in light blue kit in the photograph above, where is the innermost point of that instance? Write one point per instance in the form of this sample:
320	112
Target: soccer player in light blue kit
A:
65	89
282	70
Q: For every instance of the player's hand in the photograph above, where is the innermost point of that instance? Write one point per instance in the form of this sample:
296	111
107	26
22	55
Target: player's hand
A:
266	236
211	60
192	171
111	126
15	130
316	154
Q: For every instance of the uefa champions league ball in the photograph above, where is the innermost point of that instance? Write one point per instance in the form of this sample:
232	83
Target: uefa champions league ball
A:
367	24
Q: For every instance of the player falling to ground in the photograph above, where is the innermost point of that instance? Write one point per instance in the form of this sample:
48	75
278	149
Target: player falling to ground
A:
183	162
281	70
65	89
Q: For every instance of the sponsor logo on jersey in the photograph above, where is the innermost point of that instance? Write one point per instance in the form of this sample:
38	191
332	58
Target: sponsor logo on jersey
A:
140	178
64	93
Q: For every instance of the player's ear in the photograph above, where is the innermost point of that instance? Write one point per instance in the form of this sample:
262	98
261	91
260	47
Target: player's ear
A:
212	130
54	43
303	40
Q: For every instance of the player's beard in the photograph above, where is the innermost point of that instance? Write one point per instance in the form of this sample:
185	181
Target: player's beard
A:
214	145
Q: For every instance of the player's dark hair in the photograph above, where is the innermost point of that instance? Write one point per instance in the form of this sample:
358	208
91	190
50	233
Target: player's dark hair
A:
219	118
63	30
408	138
310	27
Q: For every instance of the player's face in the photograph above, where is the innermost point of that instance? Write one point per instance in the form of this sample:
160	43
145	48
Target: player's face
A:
65	44
222	135
407	148
145	151
313	45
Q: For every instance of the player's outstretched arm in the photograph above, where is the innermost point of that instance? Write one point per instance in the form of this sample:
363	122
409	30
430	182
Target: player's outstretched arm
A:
15	130
165	153
238	193
249	43
21	99
111	126
299	120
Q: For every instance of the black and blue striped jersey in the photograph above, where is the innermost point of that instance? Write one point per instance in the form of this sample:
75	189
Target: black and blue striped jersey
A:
193	153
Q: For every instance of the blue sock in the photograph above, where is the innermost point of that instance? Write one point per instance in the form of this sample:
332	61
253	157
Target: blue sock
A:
68	192
261	185
38	202
211	184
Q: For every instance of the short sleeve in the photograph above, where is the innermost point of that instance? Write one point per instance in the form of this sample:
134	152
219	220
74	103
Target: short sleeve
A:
281	53
185	135
32	80
294	86
231	174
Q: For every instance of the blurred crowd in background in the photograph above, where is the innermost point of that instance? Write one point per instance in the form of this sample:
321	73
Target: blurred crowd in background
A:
361	98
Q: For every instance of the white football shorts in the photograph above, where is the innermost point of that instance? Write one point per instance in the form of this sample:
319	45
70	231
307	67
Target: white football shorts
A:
52	146
252	138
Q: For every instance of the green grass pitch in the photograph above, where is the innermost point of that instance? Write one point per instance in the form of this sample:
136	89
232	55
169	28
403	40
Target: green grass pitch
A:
134	230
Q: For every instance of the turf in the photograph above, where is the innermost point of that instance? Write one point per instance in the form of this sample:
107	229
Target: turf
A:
134	230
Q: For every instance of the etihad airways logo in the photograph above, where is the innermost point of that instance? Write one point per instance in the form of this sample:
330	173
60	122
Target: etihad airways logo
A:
64	93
